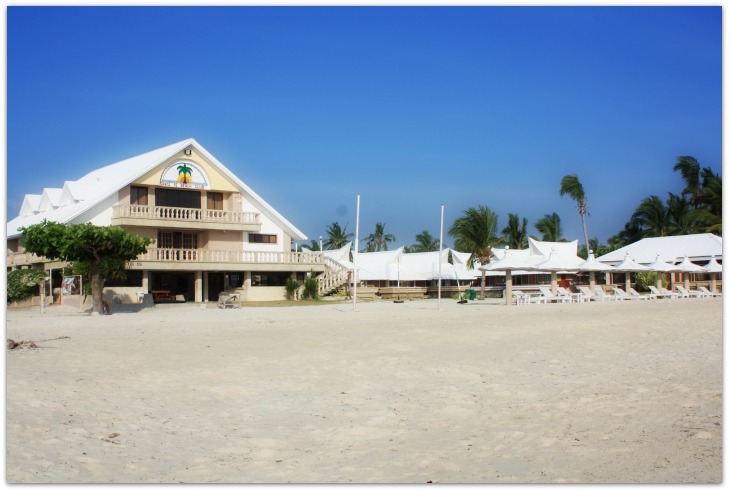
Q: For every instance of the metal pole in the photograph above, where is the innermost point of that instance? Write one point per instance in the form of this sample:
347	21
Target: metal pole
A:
356	252
440	253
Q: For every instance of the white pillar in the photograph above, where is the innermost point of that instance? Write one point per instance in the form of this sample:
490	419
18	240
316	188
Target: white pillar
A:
198	287
145	281
554	282
508	291
205	286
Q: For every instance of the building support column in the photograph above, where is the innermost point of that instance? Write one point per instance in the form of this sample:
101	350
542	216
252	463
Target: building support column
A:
206	284
145	281
246	285
198	287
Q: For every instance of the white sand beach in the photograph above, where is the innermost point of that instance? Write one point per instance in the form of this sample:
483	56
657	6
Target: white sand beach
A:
614	392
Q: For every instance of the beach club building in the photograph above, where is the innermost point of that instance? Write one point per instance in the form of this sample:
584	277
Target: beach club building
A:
211	231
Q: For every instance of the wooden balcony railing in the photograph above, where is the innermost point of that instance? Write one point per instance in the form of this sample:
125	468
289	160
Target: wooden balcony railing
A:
186	214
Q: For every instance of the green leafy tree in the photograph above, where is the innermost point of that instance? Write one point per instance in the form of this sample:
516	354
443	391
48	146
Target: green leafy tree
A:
337	236
314	246
550	226
572	187
378	240
86	243
652	217
707	215
690	171
21	283
424	242
475	232
515	233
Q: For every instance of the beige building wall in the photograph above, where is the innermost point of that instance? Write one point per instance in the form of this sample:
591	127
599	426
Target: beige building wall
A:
216	180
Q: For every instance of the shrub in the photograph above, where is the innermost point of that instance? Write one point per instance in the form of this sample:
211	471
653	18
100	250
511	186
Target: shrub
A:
291	286
21	283
311	288
644	279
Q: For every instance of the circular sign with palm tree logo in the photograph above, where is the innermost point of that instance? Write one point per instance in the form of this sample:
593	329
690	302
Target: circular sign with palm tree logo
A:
184	174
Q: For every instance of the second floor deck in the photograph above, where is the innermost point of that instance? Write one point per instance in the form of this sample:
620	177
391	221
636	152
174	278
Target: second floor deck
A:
188	218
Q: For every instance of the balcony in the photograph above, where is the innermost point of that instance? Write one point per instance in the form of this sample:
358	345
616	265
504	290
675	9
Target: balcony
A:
216	260
17	259
188	218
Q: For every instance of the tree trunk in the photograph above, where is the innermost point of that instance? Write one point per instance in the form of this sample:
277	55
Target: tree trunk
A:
96	286
584	229
483	285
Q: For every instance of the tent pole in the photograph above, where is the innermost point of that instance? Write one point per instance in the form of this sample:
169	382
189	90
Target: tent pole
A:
440	253
356	252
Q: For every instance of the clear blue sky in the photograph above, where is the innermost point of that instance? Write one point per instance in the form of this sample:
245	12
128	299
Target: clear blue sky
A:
409	107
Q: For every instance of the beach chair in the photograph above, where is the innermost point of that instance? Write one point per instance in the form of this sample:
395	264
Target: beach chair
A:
228	300
521	298
709	292
621	294
587	294
688	293
635	294
662	294
576	297
548	296
600	293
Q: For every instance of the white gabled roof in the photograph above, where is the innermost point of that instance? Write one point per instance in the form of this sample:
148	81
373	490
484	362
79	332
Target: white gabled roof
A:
50	199
567	249
697	247
77	197
30	205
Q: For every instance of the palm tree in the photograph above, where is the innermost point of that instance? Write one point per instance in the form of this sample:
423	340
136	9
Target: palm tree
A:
550	227
680	216
475	232
708	215
515	233
652	217
424	242
690	171
378	240
571	186
337	236
314	246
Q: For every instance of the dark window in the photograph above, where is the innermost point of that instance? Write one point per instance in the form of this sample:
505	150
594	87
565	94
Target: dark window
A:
134	278
269	279
138	195
235	280
178	198
262	238
215	201
176	240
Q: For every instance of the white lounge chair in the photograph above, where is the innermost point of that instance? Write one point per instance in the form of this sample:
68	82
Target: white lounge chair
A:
600	293
662	294
709	292
623	295
587	294
521	297
635	294
576	297
688	293
551	297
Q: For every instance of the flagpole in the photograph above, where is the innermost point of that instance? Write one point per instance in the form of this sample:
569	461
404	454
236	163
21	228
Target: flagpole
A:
440	254
356	252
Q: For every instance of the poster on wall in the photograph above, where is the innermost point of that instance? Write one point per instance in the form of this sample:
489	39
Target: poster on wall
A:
71	285
184	174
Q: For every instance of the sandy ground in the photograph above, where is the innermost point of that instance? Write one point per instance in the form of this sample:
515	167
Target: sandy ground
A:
618	392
